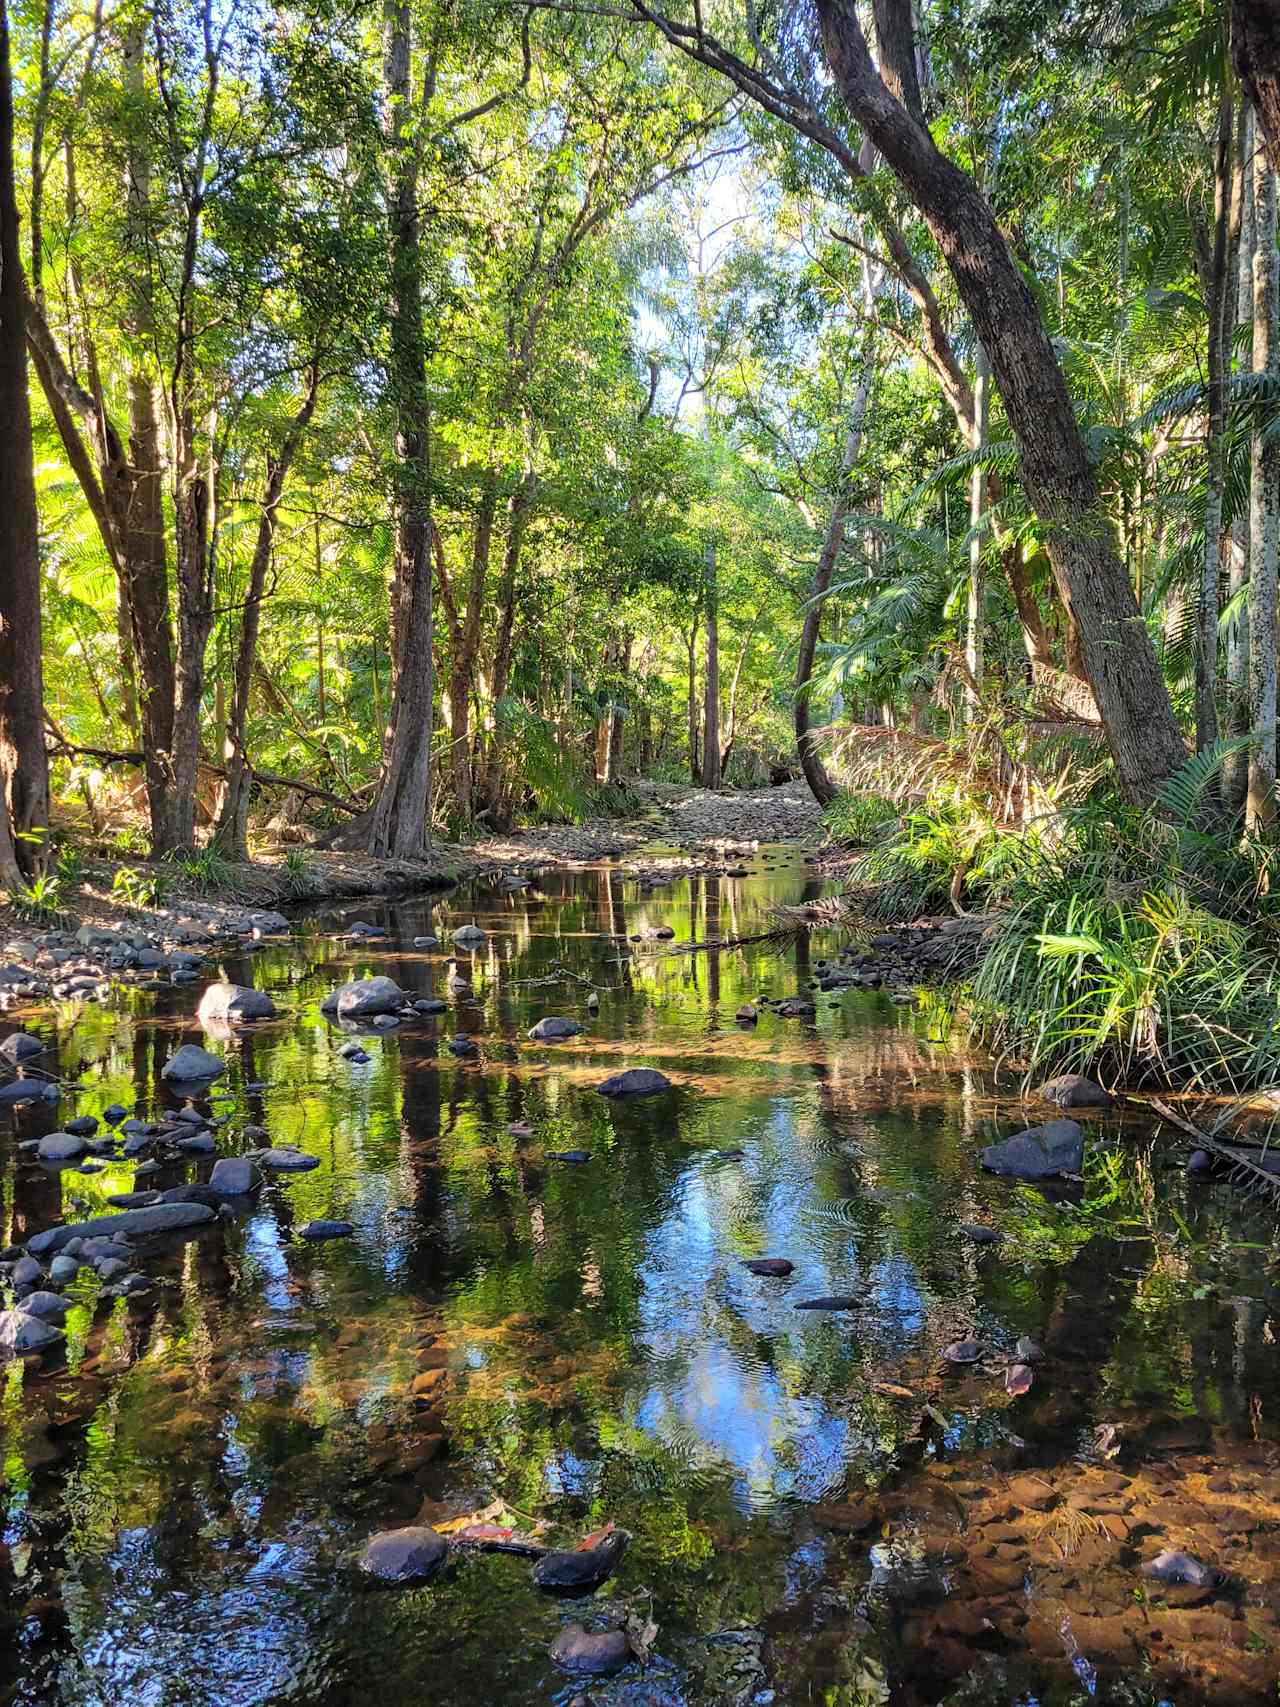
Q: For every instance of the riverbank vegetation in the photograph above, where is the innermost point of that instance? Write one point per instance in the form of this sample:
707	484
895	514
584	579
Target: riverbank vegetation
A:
431	417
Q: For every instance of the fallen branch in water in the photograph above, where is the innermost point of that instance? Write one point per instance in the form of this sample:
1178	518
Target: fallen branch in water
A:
1242	1168
780	934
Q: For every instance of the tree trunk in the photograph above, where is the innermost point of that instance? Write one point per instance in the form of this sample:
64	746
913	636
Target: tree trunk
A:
1255	49
1215	296
232	830
815	772
24	775
976	614
137	493
711	685
399	824
691	644
1260	806
1058	476
1235	766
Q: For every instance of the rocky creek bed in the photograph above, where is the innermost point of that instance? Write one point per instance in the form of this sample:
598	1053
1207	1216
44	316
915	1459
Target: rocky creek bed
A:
490	1296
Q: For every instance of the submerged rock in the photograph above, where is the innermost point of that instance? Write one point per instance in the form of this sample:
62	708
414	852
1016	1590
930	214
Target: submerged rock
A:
635	1082
597	1651
772	1266
982	1235
235	1003
569	1155
192	1065
326	1230
1073	1090
20	1046
404	1555
1042	1152
1172	1566
468	935
835	1301
747	1014
962	1351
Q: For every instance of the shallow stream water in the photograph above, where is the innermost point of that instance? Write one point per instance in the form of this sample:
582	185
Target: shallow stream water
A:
821	1509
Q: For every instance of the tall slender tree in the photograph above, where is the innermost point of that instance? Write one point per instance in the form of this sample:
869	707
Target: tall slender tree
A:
24	779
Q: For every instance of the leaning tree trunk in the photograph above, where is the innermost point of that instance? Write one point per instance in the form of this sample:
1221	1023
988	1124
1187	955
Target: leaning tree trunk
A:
1235	765
691	646
711	686
1057	473
815	772
1260	805
24	775
399	824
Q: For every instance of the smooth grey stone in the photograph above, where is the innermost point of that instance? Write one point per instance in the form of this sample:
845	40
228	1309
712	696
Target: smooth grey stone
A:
594	1651
1073	1090
634	1082
130	1223
61	1147
111	1268
286	1161
326	1230
63	1268
431	1005
1171	1566
467	935
235	1003
553	1029
426	942
404	1555
363	998
269	923
236	1176
1043	1152
47	1306
21	1333
20	1046
27	1090
198	1144
192	1065
83	1126
26	1272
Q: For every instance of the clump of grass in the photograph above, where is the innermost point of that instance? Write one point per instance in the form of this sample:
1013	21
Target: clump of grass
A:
205	869
297	872
856	819
133	887
41	900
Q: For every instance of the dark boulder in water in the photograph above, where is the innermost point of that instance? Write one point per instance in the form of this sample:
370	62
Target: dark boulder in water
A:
597	1651
1042	1152
1073	1090
771	1266
404	1555
582	1571
635	1082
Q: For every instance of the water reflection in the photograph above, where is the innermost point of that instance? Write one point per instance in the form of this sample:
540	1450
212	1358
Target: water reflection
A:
584	1342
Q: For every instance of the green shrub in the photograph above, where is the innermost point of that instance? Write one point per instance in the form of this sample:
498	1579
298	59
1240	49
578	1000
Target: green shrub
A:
41	900
132	887
857	819
204	869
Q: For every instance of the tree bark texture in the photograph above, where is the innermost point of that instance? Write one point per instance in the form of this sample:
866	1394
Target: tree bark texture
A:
1264	518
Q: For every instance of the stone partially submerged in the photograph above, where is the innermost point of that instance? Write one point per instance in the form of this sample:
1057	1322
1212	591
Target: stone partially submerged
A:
192	1065
635	1082
553	1029
21	1333
363	998
408	1555
129	1224
235	1004
1042	1152
1073	1090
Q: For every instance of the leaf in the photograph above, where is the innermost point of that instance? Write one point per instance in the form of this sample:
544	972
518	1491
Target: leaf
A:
1018	1379
471	1519
596	1537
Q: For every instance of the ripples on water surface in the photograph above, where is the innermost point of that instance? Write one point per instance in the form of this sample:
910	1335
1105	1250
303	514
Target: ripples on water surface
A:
182	1501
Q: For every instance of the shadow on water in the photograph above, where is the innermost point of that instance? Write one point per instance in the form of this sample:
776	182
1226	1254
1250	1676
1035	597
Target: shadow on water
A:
822	1509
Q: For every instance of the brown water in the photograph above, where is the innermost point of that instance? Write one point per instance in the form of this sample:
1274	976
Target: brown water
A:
820	1511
